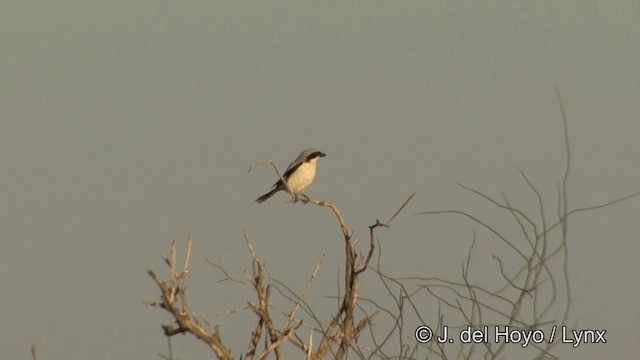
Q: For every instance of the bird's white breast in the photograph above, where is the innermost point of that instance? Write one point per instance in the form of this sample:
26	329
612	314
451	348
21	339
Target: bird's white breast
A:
300	180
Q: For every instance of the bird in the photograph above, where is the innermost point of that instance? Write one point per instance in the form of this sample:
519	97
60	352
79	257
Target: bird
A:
299	175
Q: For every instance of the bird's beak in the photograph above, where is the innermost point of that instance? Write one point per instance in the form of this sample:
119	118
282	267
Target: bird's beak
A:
322	154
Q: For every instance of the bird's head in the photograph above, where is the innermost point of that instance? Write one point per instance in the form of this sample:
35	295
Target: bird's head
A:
313	155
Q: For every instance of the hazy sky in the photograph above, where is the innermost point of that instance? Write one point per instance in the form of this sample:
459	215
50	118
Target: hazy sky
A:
126	125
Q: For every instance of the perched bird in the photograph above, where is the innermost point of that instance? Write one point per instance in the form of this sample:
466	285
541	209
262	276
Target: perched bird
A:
299	174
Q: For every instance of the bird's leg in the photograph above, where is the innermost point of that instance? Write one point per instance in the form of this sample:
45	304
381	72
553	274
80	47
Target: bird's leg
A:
305	198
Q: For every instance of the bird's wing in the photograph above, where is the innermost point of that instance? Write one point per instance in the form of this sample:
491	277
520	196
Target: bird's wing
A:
293	167
295	164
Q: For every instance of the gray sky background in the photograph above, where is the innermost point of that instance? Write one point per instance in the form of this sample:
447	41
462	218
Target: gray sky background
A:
128	124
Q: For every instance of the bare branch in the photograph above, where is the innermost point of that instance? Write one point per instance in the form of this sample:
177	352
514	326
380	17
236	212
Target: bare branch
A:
174	301
295	308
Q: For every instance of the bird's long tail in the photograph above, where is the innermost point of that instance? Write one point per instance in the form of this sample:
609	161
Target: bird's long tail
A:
266	196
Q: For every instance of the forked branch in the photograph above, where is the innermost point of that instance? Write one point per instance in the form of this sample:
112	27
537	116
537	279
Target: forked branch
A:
174	300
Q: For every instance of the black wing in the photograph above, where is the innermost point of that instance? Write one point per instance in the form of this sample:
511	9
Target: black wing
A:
288	173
